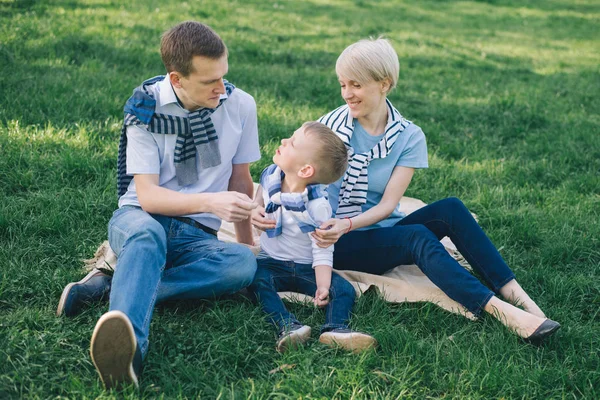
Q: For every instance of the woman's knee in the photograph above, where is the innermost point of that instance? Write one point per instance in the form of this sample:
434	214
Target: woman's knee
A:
422	242
454	205
419	231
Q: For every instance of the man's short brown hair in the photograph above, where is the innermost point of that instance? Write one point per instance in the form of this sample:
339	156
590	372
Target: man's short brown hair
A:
331	156
180	44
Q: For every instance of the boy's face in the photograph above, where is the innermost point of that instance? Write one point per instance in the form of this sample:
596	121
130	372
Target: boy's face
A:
294	152
204	86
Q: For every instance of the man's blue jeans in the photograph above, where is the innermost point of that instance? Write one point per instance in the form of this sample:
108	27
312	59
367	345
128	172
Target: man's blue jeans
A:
161	258
416	240
274	276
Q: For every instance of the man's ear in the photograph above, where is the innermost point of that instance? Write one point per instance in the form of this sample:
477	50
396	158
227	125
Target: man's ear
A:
306	172
175	78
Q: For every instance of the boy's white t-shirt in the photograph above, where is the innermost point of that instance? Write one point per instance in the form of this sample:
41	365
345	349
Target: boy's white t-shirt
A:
153	153
295	245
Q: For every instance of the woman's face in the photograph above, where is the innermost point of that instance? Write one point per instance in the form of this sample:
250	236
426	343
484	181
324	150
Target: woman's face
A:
363	98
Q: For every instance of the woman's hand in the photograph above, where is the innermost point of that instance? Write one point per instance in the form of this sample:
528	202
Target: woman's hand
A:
330	231
259	221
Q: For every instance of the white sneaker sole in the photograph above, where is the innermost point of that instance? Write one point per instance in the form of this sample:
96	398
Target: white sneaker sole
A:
294	339
113	348
352	341
65	293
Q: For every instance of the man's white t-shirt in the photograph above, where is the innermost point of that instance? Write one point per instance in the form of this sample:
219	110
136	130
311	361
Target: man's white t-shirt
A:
153	153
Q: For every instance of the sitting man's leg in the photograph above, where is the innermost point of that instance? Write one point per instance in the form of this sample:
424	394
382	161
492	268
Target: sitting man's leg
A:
120	338
95	286
200	266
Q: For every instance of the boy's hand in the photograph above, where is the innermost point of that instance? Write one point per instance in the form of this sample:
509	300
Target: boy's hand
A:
321	297
259	221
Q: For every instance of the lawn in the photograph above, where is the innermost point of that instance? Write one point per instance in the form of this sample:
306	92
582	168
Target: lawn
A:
506	92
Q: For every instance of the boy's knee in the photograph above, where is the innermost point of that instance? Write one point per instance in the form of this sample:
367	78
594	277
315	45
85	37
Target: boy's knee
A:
341	287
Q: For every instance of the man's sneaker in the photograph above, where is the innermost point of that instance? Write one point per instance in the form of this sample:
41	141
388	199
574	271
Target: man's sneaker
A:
348	340
291	337
114	350
93	287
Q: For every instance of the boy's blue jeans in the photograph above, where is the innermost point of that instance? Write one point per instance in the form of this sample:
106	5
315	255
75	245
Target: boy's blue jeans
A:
274	276
416	239
161	258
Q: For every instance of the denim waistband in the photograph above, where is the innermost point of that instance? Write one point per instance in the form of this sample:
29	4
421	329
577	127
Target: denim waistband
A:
196	224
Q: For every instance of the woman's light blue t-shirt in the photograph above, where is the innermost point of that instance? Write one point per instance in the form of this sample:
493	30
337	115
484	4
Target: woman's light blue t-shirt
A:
410	150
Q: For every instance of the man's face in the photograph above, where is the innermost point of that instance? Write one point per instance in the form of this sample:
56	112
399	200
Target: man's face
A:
204	85
294	152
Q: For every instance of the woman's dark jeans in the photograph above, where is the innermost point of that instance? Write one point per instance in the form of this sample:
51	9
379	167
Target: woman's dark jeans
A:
416	240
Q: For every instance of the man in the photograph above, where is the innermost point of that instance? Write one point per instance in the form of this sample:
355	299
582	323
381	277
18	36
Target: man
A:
187	141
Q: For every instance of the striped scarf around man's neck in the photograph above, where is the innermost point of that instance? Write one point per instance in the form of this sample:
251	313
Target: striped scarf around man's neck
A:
196	134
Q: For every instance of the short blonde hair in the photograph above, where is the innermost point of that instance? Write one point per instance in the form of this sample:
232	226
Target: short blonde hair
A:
369	60
330	154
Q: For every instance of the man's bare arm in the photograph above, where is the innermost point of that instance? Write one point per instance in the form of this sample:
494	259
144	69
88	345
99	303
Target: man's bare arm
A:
241	182
230	206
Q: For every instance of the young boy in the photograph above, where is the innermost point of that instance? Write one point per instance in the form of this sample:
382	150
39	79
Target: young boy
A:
293	191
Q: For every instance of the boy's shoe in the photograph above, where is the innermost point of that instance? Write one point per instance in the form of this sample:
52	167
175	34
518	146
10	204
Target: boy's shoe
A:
114	350
292	337
93	287
348	339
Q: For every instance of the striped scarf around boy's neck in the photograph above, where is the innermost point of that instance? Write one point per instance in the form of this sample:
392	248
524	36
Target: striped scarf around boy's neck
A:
196	134
296	203
355	184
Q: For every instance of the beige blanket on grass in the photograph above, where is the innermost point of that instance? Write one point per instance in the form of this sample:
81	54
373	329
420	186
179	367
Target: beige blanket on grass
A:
405	283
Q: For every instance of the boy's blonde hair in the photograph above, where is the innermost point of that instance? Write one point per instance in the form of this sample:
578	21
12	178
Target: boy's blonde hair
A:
369	60
330	153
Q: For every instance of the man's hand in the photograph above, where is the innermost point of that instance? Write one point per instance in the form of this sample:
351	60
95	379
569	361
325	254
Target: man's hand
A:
330	231
321	296
259	221
232	206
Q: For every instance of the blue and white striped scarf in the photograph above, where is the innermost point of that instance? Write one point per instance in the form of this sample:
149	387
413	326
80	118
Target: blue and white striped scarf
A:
195	133
297	203
353	192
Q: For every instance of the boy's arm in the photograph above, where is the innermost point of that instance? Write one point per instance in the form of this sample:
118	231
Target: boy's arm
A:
259	220
323	278
320	210
241	182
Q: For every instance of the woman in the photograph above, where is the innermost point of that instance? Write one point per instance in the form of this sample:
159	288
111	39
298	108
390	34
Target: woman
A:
370	233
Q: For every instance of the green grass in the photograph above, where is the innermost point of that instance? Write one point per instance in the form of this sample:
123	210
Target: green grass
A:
506	92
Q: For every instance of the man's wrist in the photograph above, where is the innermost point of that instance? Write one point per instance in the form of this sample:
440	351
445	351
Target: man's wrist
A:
206	201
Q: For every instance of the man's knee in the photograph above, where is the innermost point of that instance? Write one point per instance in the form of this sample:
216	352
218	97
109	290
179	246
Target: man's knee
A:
242	265
151	234
134	226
